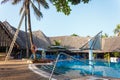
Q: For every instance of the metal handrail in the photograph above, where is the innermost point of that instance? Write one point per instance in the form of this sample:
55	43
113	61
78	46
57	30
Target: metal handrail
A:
72	58
54	67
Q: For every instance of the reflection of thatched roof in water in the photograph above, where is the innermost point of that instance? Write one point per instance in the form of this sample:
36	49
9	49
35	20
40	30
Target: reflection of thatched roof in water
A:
111	44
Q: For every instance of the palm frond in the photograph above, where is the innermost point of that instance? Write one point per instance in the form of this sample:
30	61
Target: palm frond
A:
43	3
37	11
15	2
51	1
4	1
117	29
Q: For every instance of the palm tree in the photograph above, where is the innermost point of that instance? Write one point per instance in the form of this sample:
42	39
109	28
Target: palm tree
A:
105	35
27	46
26	9
117	30
57	42
74	34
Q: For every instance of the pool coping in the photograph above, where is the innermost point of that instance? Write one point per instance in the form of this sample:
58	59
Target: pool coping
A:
38	71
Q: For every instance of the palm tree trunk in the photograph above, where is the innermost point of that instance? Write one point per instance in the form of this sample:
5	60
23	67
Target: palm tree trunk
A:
27	49
29	25
14	38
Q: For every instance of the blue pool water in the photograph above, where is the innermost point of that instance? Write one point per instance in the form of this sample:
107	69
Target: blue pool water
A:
99	68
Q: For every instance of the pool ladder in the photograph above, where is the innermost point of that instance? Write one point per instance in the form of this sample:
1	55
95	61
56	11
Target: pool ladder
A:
50	78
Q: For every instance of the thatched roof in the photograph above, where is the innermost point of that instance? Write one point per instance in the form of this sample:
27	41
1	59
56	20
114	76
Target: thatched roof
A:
6	36
21	36
71	42
111	44
39	39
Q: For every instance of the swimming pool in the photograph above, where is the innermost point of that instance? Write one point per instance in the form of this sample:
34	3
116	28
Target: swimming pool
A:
77	68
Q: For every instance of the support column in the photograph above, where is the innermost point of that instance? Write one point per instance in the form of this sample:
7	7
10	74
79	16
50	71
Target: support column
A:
91	56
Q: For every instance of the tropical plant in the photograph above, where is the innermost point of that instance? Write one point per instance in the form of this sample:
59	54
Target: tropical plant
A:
57	43
105	35
116	54
117	30
26	9
74	34
64	5
95	55
107	56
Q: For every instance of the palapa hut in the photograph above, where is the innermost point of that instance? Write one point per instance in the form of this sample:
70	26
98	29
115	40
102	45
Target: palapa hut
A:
73	43
6	39
7	32
109	45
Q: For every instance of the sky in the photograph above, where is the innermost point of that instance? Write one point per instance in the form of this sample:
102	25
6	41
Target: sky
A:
84	20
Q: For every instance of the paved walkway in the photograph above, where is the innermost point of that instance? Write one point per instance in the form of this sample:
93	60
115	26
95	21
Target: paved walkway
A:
17	70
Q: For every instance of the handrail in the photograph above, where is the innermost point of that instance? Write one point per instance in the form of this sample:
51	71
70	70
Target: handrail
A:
72	58
54	67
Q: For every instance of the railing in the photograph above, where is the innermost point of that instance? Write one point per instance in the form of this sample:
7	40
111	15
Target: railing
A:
54	66
70	57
